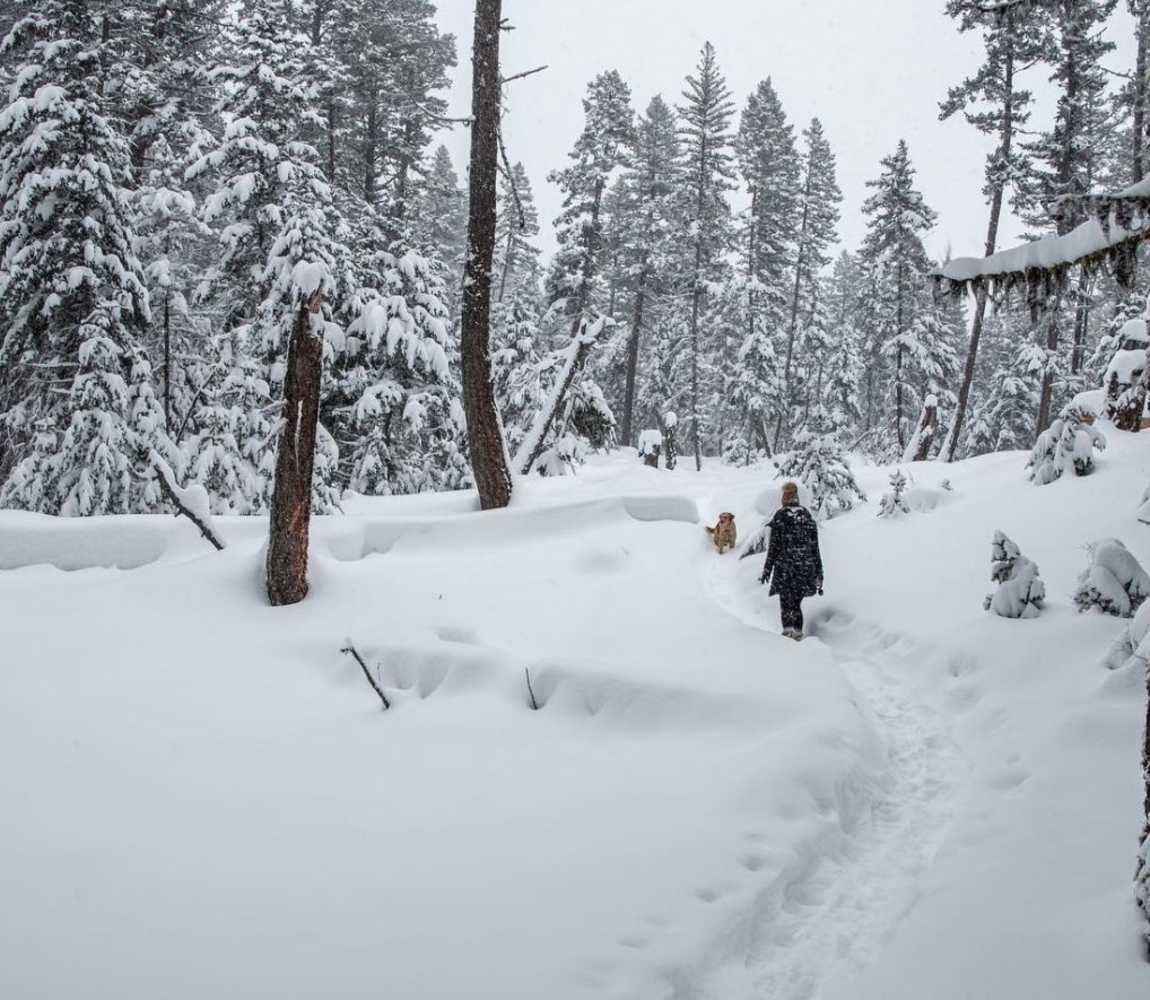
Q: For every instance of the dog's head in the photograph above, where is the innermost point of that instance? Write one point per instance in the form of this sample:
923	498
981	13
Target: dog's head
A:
725	520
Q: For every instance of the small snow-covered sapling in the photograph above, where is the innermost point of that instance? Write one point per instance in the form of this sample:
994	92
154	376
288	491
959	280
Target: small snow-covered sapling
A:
1068	443
894	503
1115	582
1021	593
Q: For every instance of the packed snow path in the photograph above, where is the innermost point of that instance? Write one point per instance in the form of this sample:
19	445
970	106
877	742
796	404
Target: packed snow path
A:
840	900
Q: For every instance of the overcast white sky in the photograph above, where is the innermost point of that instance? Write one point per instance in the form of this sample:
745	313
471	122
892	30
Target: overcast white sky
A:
874	72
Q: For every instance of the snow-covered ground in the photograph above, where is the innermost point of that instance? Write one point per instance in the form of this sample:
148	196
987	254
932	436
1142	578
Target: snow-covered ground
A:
202	797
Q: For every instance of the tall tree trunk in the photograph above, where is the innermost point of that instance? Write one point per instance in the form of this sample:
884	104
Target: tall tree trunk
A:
628	428
291	497
370	149
1081	322
1049	315
899	320
696	440
168	361
1142	66
484	431
1006	141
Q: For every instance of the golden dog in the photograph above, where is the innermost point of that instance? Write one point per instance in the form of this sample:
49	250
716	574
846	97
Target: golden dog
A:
723	534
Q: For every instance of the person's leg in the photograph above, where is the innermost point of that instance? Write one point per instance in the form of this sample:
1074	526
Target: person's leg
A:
791	612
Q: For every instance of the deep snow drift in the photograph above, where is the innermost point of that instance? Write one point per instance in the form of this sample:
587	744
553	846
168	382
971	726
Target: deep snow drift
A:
202	797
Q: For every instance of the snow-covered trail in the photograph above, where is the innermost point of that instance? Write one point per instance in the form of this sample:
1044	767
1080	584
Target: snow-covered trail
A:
840	900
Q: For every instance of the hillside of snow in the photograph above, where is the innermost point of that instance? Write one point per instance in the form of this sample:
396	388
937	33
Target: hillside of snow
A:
204	798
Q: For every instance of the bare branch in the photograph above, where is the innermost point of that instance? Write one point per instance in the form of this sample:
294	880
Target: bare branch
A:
510	175
525	73
531	690
173	498
351	651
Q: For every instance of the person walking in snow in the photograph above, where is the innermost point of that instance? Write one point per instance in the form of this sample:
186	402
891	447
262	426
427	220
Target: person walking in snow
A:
794	564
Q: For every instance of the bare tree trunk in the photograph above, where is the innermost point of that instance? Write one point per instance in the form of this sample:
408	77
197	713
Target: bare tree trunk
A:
1006	141
1049	315
1140	85
484	431
628	426
291	498
168	362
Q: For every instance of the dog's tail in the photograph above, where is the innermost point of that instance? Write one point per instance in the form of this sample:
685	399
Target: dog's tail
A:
709	530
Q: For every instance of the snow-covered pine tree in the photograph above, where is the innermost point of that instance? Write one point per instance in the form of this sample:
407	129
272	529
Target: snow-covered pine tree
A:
897	220
996	104
517	365
517	225
705	117
228	455
1021	593
1065	158
171	240
821	465
653	180
81	417
756	390
818	213
893	502
398	62
394	394
440	223
769	165
280	233
1067	444
1115	582
602	147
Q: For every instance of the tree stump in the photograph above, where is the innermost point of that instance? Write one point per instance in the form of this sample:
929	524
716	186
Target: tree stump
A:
290	519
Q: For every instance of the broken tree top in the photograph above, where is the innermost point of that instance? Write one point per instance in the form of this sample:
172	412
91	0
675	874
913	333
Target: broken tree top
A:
1115	223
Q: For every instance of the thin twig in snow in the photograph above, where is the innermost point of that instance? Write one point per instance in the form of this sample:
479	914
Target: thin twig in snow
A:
351	651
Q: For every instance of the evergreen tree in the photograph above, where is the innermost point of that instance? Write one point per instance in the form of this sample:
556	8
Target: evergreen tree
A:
996	104
769	164
517	225
821	465
81	416
1065	156
440	227
599	151
708	169
897	220
602	147
819	202
653	180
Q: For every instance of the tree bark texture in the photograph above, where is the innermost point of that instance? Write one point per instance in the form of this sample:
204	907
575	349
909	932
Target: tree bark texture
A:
484	430
291	498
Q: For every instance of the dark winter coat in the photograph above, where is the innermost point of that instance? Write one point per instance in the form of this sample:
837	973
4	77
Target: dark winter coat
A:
794	563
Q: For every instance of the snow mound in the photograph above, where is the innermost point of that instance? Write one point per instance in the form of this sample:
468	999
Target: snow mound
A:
512	527
80	543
